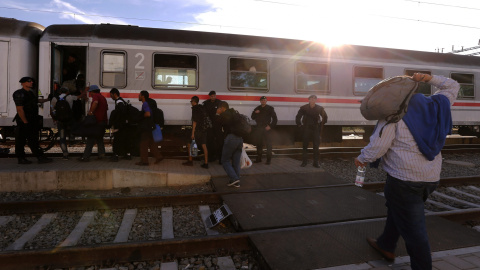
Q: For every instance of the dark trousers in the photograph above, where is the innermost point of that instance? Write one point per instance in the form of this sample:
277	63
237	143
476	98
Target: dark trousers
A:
64	129
215	139
262	137
26	134
123	141
98	139
406	218
146	142
311	133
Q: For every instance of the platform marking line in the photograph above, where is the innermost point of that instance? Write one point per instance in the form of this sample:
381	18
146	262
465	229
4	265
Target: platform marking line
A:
32	232
73	238
167	223
205	213
126	226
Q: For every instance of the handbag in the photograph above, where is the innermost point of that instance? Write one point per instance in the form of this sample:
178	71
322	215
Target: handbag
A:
157	134
245	161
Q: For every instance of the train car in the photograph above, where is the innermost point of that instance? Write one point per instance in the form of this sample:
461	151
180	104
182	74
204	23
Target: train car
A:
18	58
174	65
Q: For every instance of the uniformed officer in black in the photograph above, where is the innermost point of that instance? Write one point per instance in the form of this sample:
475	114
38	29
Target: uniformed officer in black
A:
311	118
266	119
215	135
26	132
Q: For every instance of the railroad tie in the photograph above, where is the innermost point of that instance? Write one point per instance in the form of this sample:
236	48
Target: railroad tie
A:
205	213
167	223
459	201
225	263
32	232
126	226
169	266
73	238
4	220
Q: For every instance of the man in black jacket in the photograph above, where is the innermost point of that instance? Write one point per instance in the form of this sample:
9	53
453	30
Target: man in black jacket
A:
215	133
311	118
266	119
123	139
26	103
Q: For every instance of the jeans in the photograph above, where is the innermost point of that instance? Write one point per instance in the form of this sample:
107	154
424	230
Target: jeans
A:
406	218
64	130
231	154
91	141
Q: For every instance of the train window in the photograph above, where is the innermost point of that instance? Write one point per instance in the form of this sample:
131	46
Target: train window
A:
114	69
365	78
312	77
175	71
423	88
248	74
467	86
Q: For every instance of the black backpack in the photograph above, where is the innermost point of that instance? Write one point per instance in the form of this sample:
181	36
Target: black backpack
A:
63	112
158	117
240	126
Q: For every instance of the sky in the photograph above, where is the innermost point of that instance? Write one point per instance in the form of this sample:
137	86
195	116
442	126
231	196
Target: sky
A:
430	25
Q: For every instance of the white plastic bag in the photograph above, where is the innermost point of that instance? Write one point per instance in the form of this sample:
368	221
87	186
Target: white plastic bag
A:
245	161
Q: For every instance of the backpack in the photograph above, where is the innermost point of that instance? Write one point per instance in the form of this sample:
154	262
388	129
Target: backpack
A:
63	112
207	122
158	117
240	124
388	100
129	114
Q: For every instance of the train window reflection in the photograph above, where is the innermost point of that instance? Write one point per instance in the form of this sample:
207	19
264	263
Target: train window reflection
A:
175	71
423	88
113	69
312	77
248	74
365	78
467	86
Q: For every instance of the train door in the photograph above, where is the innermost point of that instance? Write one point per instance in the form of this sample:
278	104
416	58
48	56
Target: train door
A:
3	76
68	67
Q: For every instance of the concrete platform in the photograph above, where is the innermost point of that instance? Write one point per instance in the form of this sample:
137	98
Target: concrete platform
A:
105	175
260	211
344	244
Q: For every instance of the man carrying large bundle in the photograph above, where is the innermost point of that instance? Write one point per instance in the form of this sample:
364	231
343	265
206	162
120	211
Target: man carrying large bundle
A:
409	149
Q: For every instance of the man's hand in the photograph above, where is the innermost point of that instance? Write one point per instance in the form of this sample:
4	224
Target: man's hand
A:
421	77
358	163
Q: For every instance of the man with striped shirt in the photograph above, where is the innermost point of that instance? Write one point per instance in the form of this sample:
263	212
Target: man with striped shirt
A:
410	154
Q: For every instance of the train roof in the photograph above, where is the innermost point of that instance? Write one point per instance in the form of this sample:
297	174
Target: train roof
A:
10	27
127	34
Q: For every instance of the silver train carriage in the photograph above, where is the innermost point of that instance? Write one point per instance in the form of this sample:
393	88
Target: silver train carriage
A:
174	65
18	58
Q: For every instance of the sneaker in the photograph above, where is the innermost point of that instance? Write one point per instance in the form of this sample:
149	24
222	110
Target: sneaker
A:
316	165
188	163
24	161
303	164
237	185
82	159
205	166
233	183
65	157
43	160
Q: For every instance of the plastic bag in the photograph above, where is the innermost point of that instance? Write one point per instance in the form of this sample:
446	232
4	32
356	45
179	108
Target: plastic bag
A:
245	161
157	134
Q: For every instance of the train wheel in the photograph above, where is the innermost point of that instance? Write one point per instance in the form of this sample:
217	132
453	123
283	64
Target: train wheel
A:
46	139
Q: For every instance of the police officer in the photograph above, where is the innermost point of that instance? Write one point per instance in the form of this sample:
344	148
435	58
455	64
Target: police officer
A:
311	118
266	119
26	132
214	134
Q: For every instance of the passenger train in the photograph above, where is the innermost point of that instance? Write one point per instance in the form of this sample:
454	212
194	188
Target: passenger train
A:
174	65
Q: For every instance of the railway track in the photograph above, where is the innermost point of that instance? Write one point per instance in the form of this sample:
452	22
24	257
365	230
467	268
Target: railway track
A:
108	231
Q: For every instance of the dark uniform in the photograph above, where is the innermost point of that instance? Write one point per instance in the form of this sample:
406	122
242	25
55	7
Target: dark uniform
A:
266	117
311	120
215	134
27	133
123	140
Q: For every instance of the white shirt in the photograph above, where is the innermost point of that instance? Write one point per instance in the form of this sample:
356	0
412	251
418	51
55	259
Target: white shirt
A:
401	157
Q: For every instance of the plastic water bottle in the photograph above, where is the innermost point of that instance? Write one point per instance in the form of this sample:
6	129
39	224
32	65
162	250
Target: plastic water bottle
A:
194	149
360	176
